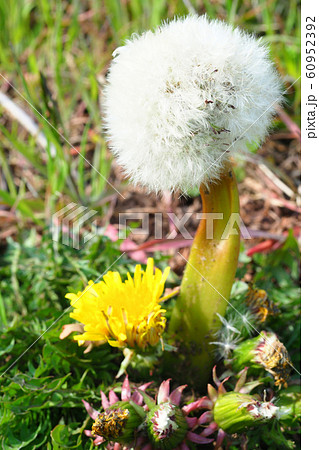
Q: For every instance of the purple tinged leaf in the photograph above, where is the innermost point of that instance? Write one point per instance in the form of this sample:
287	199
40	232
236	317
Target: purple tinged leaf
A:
113	397
176	395
205	417
126	391
197	439
105	402
163	392
212	427
91	411
191	421
241	380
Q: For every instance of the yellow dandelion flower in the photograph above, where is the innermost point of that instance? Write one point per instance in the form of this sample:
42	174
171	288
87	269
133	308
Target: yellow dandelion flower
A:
125	314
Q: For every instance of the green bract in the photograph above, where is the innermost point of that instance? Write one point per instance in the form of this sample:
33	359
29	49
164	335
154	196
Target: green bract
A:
235	412
166	426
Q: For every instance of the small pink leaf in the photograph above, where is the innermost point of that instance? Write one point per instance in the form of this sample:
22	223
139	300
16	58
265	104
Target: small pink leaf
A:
91	411
126	391
176	395
113	397
163	392
193	437
105	402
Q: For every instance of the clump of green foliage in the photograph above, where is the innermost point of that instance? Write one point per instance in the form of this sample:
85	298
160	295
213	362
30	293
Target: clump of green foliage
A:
43	390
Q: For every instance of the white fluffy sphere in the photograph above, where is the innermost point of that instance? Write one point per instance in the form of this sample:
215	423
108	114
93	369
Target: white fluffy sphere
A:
180	99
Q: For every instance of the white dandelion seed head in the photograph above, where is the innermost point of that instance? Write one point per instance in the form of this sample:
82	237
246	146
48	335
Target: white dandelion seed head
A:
228	325
226	345
178	101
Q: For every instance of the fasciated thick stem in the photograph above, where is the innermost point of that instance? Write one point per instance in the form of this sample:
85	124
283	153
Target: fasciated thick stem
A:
207	280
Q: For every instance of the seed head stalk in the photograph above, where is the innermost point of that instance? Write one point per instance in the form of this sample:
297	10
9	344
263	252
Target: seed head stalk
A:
207	280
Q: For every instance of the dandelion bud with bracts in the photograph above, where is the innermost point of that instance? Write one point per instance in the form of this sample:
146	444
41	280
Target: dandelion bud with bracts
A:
264	352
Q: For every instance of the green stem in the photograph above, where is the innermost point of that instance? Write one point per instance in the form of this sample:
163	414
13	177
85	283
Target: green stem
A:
207	280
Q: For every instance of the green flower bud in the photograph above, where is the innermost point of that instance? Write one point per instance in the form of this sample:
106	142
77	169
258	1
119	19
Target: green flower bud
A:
118	423
166	426
235	412
264	351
